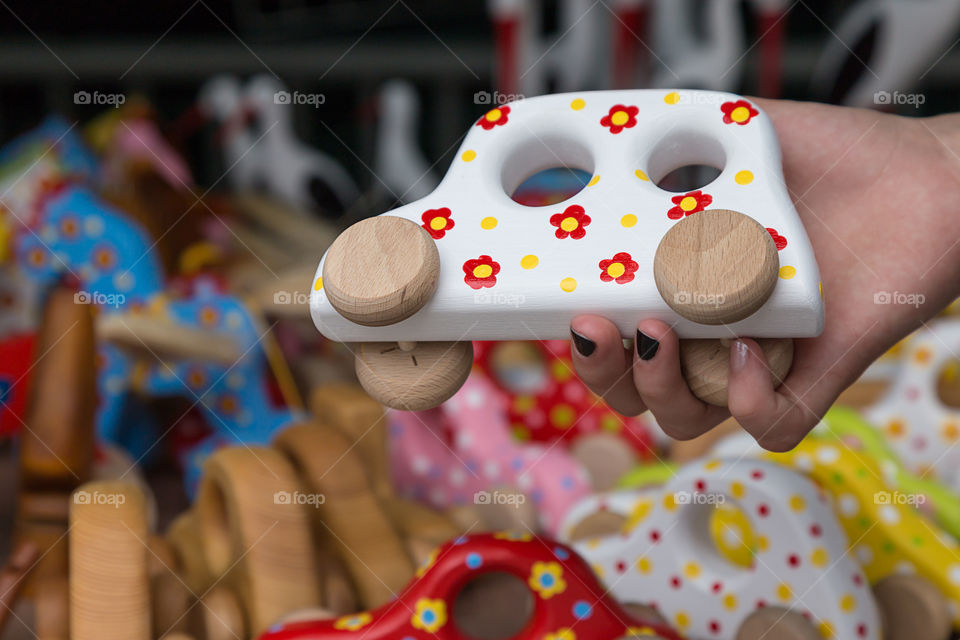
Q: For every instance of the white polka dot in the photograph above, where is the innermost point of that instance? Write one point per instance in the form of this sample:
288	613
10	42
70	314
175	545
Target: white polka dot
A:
524	481
905	568
458	477
114	385
827	455
93	226
48	234
953	573
848	504
864	554
420	465
464	440
124	280
803	462
475	399
234	319
491	469
890	514
236	381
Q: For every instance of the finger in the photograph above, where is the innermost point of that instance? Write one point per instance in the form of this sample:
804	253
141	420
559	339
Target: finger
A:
603	364
777	419
658	379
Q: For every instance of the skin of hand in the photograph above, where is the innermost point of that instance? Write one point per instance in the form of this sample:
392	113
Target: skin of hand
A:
879	196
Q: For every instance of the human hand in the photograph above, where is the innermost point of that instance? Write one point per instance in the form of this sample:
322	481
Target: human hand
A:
876	193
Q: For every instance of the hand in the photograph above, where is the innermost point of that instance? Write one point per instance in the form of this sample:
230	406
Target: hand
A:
878	196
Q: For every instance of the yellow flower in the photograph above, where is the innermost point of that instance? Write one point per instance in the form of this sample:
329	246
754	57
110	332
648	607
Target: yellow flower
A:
546	578
561	634
354	622
429	615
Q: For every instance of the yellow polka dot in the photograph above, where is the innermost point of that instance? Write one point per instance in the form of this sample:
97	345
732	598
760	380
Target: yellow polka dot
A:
318	284
712	464
469	155
784	592
669	502
826	629
787	272
483	271
730	602
797	503
529	261
569	224
594	180
640	174
577	103
438	223
848	603
616	269
819	557
628	220
820	285
619	118
743	177
688	204
682	619
672	98
494	114
740	114
568	284
762	543
736	488
488	223
691	570
644	565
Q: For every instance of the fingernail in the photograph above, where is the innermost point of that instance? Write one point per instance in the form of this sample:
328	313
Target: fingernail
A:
738	356
585	346
646	346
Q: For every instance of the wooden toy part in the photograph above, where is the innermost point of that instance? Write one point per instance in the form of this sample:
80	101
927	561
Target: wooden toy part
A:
109	581
219	616
423	528
413	377
606	458
51	607
160	338
256	534
56	448
13	575
184	537
682	451
779	623
716	267
350	518
597	525
913	608
381	270
706	365
170	601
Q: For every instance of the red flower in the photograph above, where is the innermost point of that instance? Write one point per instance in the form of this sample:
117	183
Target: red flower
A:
620	268
620	117
481	272
572	222
494	117
740	112
778	239
689	203
437	222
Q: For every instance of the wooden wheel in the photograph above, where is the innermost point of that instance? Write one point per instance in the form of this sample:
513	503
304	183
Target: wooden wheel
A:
350	519
912	608
184	537
219	616
779	623
109	581
255	531
716	267
706	365
413	377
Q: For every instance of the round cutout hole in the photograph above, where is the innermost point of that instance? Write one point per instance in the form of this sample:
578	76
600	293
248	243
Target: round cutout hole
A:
519	367
685	160
688	178
948	384
551	186
496	591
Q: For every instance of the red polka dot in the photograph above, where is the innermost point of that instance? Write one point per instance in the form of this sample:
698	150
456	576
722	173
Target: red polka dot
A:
655	536
763	510
793	560
621	566
757	474
815	530
700	485
808	616
717	587
714	627
857	579
676	582
761	604
862	630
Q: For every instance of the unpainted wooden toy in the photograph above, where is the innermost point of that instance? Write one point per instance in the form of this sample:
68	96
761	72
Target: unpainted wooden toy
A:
468	263
560	594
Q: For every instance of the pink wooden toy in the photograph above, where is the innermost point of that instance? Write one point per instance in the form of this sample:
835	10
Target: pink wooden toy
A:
462	453
568	603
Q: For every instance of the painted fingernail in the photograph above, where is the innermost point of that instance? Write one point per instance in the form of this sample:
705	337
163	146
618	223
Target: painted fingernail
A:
585	346
646	346
738	355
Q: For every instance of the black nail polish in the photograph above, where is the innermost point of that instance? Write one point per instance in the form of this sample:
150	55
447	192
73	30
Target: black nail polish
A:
646	346
585	346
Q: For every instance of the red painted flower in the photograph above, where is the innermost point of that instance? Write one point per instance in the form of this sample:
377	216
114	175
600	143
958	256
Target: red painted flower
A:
572	222
620	117
689	203
778	239
494	117
437	222
740	112
620	268
481	272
